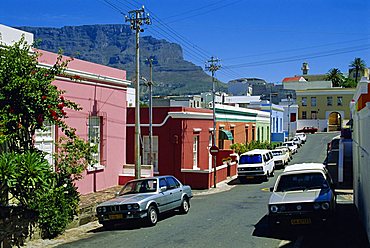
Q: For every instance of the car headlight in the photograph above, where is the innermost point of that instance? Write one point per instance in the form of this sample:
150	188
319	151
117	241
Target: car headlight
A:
274	208
104	209
325	206
129	206
99	210
316	206
136	206
260	168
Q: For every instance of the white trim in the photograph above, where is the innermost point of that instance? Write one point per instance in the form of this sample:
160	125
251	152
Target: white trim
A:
221	125
247	125
191	115
210	129
92	76
89	83
361	89
232	125
154	125
195	130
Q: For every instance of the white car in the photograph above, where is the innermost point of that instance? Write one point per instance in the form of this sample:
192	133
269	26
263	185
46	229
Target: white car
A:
302	136
256	164
291	145
303	194
297	141
281	158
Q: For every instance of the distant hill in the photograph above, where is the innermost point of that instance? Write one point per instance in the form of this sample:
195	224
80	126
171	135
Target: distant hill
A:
114	45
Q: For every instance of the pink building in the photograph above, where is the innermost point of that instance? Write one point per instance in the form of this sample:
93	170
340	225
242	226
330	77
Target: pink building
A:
101	92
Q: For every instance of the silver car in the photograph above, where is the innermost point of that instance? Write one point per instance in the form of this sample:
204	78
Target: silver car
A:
303	194
145	199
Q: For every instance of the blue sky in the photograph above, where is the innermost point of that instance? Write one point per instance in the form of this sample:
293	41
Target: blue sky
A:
268	39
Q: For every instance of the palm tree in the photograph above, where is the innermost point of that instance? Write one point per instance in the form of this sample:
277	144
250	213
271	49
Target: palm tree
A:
336	77
358	64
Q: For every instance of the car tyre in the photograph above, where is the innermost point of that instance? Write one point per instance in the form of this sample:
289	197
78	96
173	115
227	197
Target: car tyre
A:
185	206
152	217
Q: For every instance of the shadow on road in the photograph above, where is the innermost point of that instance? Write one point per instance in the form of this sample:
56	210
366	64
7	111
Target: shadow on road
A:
237	181
134	224
346	231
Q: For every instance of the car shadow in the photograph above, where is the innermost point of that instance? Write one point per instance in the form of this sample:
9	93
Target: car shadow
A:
237	181
346	230
135	224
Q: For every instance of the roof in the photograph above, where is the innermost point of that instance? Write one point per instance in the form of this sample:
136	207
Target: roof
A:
256	151
293	79
304	166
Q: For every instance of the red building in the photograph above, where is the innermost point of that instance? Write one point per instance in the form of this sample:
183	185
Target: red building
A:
181	142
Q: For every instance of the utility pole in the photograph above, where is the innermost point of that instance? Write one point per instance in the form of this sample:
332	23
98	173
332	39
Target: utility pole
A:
213	66
270	116
136	19
150	84
289	96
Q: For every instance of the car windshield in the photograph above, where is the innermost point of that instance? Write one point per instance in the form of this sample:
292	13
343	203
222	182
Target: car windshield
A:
303	181
139	186
250	159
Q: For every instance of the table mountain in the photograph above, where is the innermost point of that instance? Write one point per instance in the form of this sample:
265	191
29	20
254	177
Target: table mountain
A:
114	45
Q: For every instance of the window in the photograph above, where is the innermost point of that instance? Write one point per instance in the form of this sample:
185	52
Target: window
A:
340	101
313	101
304	115
232	132
250	159
172	184
329	101
94	137
314	115
253	133
246	134
195	151
304	101
154	152
162	183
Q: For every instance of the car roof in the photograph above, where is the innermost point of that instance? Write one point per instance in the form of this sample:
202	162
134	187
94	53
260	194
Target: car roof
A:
155	177
256	151
304	167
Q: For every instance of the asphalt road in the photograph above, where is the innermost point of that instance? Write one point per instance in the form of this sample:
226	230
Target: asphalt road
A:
236	218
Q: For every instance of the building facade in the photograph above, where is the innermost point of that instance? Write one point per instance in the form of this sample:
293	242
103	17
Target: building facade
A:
360	109
326	109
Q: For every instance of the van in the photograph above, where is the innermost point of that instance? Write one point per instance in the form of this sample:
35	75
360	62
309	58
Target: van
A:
257	163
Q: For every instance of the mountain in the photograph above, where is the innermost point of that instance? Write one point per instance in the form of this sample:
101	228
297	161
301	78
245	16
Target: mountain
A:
114	45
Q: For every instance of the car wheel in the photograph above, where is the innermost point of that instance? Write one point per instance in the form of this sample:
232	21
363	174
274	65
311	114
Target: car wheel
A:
152	217
185	206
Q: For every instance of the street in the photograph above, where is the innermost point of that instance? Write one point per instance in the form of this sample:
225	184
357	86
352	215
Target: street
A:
237	218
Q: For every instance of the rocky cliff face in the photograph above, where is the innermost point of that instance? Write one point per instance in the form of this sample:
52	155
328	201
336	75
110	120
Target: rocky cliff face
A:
114	45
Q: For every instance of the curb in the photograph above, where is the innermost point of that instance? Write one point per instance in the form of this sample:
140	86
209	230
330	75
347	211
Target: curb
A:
220	187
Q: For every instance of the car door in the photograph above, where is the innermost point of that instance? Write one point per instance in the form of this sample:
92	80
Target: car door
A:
175	192
164	198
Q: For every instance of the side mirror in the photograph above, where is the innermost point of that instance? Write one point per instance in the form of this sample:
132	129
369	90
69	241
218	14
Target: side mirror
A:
164	188
271	189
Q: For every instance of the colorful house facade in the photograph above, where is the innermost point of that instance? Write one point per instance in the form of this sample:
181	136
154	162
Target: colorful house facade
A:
182	137
326	109
101	92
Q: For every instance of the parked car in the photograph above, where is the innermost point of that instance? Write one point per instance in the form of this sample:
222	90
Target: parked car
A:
281	158
145	199
291	145
297	141
257	163
303	194
302	136
287	150
307	130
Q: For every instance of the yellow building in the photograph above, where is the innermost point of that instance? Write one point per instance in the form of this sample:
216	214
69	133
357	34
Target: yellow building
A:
326	109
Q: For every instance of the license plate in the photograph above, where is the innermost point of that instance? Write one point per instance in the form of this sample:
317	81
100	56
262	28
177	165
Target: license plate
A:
300	221
250	177
115	216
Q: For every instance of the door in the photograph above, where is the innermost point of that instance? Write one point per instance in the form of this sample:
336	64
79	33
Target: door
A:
175	192
44	141
164	198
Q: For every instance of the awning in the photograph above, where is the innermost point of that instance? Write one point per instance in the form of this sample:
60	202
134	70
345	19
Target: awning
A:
225	135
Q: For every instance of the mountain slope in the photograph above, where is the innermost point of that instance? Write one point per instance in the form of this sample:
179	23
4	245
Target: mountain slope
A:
114	45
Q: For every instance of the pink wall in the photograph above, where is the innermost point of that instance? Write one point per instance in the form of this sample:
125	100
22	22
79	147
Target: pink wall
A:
110	103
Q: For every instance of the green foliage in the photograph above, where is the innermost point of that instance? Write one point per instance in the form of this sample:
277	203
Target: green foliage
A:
335	76
27	97
349	83
241	148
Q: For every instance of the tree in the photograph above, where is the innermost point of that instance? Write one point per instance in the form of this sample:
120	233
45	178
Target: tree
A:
358	65
336	77
28	100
